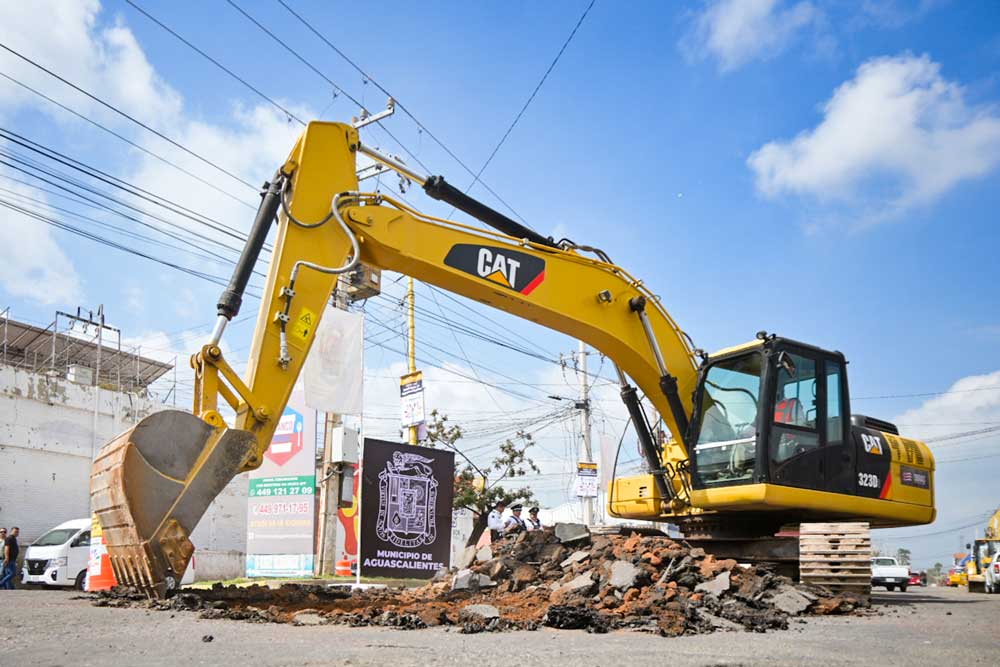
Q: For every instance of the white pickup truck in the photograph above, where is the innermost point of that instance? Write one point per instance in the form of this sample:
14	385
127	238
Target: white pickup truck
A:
887	572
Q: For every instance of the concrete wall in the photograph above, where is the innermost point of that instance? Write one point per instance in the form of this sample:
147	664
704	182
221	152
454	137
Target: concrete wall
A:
215	565
47	443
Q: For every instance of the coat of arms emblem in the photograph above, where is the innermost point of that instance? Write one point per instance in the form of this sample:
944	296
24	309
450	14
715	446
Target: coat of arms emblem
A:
407	500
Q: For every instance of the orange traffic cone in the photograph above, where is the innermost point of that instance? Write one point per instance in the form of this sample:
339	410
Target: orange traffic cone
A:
343	568
100	576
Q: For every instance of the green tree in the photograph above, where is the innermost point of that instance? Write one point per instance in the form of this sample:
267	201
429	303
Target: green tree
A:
903	556
479	488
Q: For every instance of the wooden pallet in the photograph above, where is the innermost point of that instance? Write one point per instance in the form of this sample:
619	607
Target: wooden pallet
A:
836	555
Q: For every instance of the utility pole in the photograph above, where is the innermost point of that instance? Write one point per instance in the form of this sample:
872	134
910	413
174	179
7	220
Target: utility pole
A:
586	454
329	482
411	348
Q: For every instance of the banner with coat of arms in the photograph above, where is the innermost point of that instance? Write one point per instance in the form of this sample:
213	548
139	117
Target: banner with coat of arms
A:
406	498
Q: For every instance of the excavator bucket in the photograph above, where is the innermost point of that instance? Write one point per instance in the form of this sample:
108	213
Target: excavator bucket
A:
151	485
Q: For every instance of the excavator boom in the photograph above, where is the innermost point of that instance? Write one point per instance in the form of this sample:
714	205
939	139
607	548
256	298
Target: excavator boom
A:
772	438
152	484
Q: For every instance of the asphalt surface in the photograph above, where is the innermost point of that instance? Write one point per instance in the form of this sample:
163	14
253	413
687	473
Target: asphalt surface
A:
924	626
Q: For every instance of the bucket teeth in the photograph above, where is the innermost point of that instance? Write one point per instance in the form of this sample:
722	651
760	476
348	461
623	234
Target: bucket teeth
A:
151	485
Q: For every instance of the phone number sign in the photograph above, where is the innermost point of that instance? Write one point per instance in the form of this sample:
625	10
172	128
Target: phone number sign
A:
301	485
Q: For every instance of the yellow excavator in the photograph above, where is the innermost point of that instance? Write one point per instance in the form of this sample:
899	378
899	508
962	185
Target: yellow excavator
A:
762	433
983	567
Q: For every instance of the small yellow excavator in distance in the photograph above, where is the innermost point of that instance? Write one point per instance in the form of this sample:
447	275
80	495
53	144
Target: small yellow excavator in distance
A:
762	433
983	568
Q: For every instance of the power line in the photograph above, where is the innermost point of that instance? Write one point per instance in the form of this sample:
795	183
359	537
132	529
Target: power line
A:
464	355
120	230
964	434
112	244
399	105
485	368
215	62
530	97
112	210
126	140
120	183
296	54
955	529
330	81
118	111
441	366
969	458
925	394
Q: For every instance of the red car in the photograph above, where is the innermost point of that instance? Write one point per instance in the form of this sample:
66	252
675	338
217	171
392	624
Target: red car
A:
915	579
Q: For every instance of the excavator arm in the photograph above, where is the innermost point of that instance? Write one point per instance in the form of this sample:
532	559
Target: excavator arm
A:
152	484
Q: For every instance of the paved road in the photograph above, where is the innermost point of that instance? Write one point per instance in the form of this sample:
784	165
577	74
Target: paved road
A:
920	627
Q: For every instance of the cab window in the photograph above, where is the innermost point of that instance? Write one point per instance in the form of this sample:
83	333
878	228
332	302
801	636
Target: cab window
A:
795	407
834	420
727	429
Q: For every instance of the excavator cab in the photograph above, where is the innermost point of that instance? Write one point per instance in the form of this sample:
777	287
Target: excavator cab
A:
772	411
772	437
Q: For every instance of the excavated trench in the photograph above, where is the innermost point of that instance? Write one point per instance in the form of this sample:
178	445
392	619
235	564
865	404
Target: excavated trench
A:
560	578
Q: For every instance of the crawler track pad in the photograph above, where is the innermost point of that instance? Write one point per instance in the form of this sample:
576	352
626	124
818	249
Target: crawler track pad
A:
151	485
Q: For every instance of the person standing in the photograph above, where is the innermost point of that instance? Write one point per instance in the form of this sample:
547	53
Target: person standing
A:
533	522
494	521
514	524
10	552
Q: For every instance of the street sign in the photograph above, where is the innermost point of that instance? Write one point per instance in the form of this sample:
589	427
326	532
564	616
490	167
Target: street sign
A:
281	498
411	395
586	480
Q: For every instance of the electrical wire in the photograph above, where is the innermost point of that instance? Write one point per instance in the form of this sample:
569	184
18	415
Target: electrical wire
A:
128	141
112	199
215	62
121	113
120	183
402	107
531	97
112	244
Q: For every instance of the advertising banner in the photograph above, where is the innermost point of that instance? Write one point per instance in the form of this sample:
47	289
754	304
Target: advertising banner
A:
406	496
586	480
281	499
411	398
333	373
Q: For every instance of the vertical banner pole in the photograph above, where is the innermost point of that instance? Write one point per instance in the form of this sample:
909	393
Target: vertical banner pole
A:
360	517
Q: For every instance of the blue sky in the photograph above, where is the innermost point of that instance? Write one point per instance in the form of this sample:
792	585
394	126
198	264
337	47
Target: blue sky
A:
824	170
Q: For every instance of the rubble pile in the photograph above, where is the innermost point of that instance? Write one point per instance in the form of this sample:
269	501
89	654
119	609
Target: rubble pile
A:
561	578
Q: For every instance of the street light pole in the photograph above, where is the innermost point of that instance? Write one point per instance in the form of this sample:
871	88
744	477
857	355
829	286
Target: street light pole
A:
411	350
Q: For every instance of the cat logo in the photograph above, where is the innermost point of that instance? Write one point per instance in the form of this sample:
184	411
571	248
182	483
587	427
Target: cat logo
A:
508	268
872	443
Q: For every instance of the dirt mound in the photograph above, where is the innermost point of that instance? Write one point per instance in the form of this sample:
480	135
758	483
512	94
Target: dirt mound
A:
561	578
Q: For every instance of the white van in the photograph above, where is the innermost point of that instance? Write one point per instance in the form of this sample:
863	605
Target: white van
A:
59	557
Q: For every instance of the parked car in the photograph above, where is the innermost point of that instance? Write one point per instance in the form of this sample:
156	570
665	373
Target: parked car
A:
59	557
887	572
915	579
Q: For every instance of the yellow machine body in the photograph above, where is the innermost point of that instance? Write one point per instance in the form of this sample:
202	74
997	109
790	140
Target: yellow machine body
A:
152	484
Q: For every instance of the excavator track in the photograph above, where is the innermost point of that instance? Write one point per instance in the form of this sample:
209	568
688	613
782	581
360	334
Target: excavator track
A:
151	485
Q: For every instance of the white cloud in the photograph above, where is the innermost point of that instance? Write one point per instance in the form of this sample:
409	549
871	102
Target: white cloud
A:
34	266
964	481
108	62
103	56
896	136
735	32
894	13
